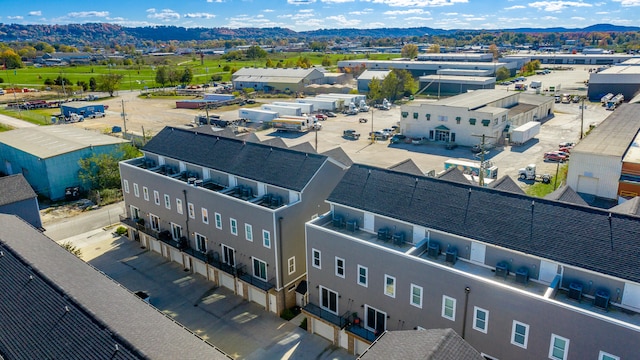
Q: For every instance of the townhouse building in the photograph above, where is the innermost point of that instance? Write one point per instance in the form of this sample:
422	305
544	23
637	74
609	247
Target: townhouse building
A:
516	277
230	210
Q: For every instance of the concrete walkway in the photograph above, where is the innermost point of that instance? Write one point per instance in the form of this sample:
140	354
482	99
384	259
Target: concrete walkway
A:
13	122
242	329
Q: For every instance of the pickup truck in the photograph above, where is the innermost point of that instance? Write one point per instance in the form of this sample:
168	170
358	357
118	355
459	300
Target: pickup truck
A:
351	134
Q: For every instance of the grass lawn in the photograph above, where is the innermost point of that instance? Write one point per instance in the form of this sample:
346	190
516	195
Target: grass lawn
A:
4	127
36	116
539	189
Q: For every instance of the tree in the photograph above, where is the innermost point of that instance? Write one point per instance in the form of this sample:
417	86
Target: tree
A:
10	59
409	51
326	60
409	85
161	76
269	63
68	245
256	52
434	49
392	88
93	85
502	73
493	49
109	83
187	76
100	171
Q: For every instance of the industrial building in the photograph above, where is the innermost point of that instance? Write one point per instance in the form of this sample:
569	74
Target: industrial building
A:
47	156
86	109
448	85
516	277
365	78
606	163
423	68
274	79
622	79
461	119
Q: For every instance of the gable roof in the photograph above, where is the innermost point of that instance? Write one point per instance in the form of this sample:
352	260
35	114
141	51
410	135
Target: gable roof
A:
60	307
590	237
506	183
285	168
407	166
432	344
305	147
631	206
453	174
566	194
614	135
14	188
257	73
338	154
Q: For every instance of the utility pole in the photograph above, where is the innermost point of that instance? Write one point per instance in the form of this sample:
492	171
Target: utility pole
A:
373	135
124	119
582	119
482	153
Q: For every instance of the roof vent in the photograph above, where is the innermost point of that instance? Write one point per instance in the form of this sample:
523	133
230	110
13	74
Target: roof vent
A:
66	308
533	203
1	253
117	347
30	277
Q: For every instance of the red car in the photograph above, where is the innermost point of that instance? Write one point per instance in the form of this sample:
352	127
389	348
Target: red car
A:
553	156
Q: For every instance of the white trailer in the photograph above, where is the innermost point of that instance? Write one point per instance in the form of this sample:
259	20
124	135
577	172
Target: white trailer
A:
524	133
320	103
284	110
257	115
348	98
306	108
295	125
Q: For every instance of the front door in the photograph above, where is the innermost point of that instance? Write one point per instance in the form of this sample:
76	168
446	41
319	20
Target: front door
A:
376	320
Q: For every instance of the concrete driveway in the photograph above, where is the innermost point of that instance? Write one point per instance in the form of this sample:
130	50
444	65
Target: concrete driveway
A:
242	329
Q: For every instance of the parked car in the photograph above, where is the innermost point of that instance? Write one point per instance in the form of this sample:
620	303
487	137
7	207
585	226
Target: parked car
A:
520	78
351	134
378	135
388	131
331	114
397	138
97	114
566	149
575	99
419	140
321	117
552	156
566	144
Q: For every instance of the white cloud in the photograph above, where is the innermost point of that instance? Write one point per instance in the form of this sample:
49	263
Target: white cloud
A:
450	14
405	12
151	10
515	7
199	15
336	1
215	1
342	21
418	18
268	10
548	18
85	14
557	5
417	3
18	17
579	18
115	19
627	3
35	13
300	2
164	15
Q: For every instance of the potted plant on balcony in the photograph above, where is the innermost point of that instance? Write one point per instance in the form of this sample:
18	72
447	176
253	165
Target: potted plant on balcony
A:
140	223
356	319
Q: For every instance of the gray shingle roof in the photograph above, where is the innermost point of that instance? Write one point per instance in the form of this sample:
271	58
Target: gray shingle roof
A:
434	344
407	166
338	154
102	314
575	235
14	188
454	175
506	183
286	168
566	194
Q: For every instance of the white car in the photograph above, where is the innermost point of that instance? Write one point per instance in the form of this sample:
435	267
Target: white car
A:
97	114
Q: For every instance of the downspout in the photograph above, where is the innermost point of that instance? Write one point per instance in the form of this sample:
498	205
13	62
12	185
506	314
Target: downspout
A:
467	290
186	203
279	263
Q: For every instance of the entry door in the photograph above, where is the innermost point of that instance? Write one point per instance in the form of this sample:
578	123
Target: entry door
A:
376	320
631	295
548	271
368	221
419	233
478	252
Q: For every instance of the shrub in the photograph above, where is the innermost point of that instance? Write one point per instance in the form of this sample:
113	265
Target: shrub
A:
287	314
303	324
121	230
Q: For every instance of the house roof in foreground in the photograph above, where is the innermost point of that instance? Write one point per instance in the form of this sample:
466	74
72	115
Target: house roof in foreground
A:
15	188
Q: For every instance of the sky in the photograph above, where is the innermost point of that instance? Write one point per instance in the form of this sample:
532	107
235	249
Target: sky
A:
304	15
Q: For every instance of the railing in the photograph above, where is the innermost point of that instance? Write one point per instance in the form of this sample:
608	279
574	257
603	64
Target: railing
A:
254	281
359	330
323	314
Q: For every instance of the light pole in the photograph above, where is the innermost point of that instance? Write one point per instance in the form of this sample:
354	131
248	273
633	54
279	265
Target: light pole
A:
373	135
582	119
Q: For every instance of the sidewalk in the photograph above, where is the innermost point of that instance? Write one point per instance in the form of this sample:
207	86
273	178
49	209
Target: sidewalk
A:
242	329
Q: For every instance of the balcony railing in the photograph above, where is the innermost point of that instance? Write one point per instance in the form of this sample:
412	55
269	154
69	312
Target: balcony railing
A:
337	320
254	281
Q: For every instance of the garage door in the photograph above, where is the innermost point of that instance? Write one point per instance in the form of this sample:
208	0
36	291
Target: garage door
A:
587	185
200	267
344	339
155	246
359	346
227	281
258	296
176	255
323	329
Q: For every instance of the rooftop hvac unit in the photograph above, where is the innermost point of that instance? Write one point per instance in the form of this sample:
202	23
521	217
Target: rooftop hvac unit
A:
247	192
191	181
266	198
238	190
502	269
352	225
337	221
198	182
276	201
602	299
522	275
434	249
575	291
383	234
398	238
451	255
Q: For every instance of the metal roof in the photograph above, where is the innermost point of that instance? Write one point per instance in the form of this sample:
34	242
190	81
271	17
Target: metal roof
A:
268	79
370	74
476	99
614	135
458	79
274	72
49	141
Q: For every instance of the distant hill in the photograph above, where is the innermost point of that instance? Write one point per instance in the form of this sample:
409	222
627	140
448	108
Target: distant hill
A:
103	33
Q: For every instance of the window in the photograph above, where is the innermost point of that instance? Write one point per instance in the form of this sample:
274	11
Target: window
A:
156	197
458	119
428	117
606	356
266	239
416	296
415	115
519	334
558	348
291	265
486	122
136	190
405	114
155	222
480	319
134	212
316	258
234	226
443	118
167	201
125	185
218	220
192	210
201	242
248	232
472	121
339	267
448	308
495	121
329	300
145	193
389	286
363	273
228	255
260	269
205	215
176	231
179	206
375	320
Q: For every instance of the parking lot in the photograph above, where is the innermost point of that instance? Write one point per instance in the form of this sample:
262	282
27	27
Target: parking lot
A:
153	114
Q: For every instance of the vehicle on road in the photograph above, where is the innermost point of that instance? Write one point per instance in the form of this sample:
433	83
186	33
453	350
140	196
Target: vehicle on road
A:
529	173
552	156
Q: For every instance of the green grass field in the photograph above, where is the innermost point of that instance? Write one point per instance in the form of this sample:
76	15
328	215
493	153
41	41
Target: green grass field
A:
136	77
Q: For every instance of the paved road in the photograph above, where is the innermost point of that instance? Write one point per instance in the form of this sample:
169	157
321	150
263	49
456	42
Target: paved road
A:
13	122
85	222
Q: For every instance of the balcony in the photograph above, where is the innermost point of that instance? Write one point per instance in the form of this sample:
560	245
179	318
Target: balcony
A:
254	281
315	310
387	237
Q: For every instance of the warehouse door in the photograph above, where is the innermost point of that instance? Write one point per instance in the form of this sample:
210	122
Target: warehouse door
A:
587	185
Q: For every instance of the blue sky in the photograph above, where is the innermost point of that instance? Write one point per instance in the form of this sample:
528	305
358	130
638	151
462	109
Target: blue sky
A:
301	15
